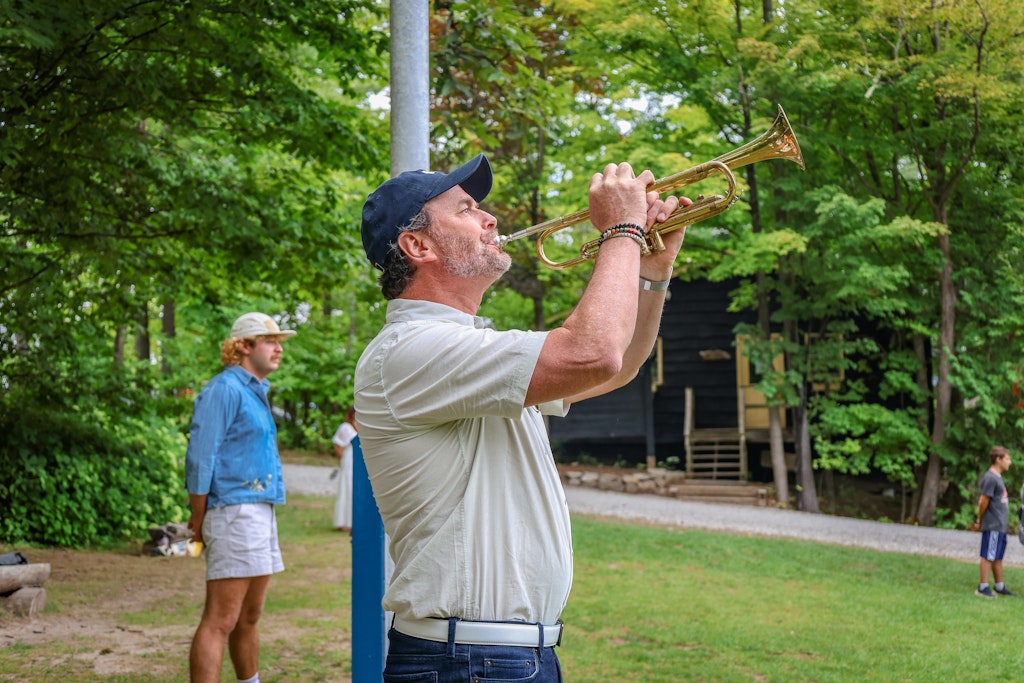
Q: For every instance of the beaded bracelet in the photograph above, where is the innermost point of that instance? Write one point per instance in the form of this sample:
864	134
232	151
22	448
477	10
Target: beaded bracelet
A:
630	230
626	227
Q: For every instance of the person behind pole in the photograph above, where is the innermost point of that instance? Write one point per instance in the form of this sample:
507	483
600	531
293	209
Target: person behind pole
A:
451	416
342	442
992	520
234	480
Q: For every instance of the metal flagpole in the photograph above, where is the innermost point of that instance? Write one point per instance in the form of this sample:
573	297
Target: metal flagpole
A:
410	126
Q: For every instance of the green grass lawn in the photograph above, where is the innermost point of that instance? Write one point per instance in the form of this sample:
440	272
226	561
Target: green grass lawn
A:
648	604
652	604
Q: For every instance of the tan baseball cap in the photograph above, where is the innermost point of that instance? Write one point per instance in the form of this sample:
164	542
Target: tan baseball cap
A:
257	325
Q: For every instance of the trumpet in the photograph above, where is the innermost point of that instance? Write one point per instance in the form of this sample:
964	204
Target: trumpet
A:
778	142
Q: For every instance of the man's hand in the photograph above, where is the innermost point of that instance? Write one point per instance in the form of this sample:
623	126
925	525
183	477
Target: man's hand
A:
974	526
659	266
619	196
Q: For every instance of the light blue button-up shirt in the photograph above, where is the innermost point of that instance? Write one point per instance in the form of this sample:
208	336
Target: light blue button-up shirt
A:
232	450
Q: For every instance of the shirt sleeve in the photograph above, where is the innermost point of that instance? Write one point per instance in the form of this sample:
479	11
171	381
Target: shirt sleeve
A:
214	410
446	372
556	408
989	486
344	435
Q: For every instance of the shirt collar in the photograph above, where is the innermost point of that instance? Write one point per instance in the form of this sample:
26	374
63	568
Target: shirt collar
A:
412	310
246	377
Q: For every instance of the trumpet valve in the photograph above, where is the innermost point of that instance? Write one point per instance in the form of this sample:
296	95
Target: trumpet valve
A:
654	242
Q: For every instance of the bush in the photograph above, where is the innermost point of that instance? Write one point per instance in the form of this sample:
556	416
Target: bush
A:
75	480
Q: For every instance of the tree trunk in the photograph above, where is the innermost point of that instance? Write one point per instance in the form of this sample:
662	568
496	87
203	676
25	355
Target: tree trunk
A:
921	379
778	450
943	387
167	327
119	345
775	441
807	493
142	335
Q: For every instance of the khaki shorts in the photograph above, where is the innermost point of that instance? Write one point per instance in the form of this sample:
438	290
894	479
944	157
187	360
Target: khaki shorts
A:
240	541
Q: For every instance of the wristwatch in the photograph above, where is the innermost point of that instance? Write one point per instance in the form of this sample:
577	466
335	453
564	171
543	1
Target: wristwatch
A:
654	285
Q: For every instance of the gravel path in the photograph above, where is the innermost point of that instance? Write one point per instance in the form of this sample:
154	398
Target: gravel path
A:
743	519
309	480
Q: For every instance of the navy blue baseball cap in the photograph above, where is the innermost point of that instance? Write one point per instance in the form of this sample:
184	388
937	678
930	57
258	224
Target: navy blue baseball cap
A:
391	206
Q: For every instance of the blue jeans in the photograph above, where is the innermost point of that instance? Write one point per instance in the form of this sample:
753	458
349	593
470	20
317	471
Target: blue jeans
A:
414	660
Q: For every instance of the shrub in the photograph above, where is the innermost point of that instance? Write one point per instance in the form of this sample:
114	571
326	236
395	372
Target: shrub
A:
80	479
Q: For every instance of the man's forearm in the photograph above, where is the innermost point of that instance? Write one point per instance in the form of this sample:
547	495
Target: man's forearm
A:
645	334
197	502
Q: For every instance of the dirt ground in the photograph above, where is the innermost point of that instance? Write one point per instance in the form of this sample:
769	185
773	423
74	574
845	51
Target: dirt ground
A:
119	585
129	614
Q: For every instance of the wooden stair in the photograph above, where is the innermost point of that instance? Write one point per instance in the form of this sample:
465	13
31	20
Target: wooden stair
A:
714	454
731	492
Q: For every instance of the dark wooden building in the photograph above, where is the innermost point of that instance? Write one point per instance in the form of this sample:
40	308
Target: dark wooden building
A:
720	433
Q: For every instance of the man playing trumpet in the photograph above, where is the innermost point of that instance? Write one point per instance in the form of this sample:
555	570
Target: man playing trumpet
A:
450	415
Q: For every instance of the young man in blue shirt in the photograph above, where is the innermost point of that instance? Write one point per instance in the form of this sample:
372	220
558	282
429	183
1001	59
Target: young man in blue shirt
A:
233	476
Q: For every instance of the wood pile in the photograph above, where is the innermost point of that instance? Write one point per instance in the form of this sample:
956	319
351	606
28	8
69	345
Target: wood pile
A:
21	588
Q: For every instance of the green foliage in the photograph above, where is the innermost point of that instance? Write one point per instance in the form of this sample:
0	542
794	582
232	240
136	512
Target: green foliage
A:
858	438
314	385
85	478
759	252
166	166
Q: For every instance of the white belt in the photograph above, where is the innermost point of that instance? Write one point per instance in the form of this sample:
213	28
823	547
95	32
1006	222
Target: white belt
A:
480	632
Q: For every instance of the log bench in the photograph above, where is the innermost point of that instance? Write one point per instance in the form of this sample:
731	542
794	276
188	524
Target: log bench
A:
21	588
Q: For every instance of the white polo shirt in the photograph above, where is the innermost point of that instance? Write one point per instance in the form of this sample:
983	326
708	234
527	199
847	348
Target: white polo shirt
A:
462	473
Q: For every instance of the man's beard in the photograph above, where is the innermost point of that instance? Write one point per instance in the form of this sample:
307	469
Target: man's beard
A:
467	257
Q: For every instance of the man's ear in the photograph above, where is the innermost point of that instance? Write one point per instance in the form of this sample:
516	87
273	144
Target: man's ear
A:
418	246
